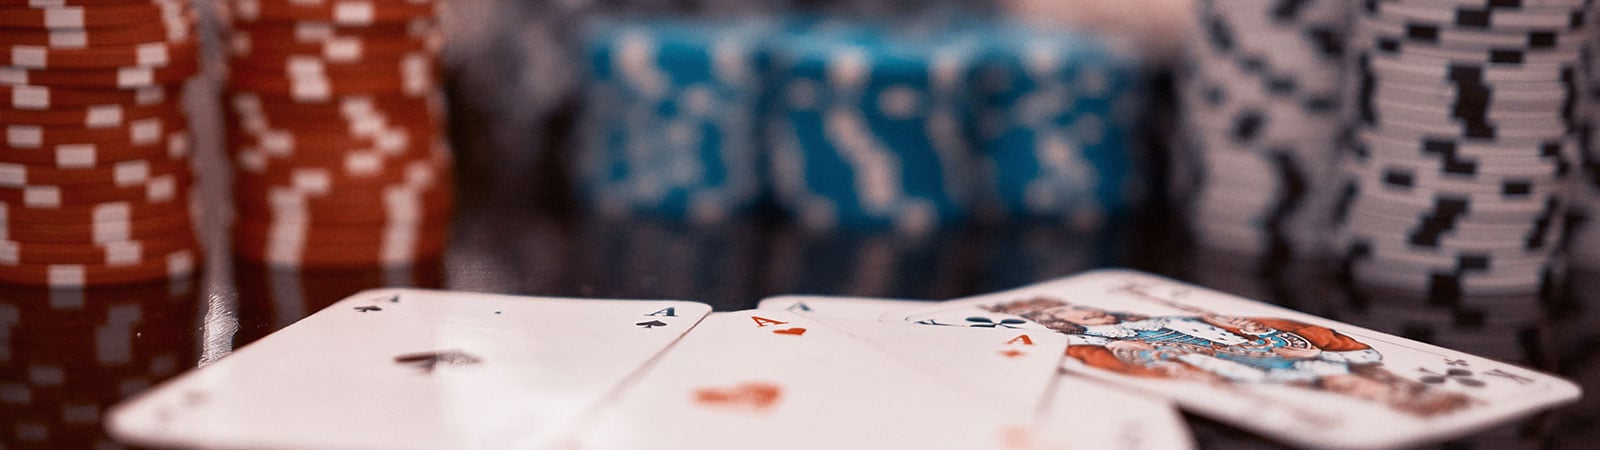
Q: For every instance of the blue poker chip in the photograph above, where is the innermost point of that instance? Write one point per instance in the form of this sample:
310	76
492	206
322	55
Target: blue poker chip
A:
867	129
670	118
1056	116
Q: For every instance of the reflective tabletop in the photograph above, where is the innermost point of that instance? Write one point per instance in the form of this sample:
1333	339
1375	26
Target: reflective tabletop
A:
69	355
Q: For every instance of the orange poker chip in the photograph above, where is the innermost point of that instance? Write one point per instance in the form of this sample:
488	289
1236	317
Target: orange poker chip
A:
338	48
78	214
355	169
139	132
173	30
178	264
146	54
121	173
174	145
332	119
60	3
337	51
335	234
48	97
402	250
330	136
111	254
328	87
93	116
343	12
416	62
313	182
74	17
427	108
164	188
96	232
417	207
118	78
324	151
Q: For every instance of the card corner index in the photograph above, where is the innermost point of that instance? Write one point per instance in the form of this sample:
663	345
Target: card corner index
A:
676	308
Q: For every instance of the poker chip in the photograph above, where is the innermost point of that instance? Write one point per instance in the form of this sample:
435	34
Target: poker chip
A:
174	145
1466	136
93	116
166	30
96	186
334	119
176	264
342	12
78	17
150	54
1262	97
175	224
135	77
42	97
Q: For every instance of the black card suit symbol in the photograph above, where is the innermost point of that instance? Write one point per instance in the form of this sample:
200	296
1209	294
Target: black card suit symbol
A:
368	308
395	299
427	361
985	322
651	324
1462	376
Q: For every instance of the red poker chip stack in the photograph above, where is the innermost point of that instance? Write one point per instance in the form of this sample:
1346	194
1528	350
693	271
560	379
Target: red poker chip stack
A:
94	161
335	125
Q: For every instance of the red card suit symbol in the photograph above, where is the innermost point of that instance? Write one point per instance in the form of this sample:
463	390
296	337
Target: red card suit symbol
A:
753	397
796	331
1013	353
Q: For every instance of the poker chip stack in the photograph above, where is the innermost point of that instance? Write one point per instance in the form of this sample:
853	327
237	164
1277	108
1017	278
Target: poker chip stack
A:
1261	96
670	119
1464	136
335	130
94	164
867	130
1055	121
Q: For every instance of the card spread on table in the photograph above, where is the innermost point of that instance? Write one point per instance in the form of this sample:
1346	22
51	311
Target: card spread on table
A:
1291	376
1097	360
412	369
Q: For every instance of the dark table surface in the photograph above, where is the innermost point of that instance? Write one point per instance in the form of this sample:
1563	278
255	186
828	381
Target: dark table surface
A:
140	335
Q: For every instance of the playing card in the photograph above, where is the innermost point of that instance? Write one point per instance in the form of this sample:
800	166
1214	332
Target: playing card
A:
773	379
412	369
1301	379
1084	413
1076	413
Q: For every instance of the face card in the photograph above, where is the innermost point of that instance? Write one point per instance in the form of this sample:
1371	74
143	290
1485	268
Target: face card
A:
773	379
402	368
1076	412
1302	379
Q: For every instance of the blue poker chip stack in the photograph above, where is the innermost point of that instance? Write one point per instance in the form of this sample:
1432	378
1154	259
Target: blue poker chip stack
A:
1261	97
867	129
1054	126
1465	118
669	119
